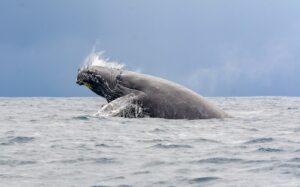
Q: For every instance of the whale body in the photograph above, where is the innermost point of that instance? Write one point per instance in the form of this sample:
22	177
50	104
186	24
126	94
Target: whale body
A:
134	94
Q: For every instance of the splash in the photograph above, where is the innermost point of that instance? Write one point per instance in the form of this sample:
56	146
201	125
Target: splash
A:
122	107
98	59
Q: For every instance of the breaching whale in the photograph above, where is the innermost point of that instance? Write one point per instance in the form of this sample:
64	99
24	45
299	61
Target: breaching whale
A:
137	95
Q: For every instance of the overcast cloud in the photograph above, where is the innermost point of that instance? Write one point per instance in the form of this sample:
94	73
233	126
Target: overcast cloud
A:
215	47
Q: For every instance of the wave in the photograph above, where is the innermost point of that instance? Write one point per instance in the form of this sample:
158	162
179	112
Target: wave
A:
260	140
219	160
18	140
203	179
171	146
263	149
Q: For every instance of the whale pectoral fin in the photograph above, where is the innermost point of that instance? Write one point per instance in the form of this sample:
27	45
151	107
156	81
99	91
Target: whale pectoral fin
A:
129	105
126	106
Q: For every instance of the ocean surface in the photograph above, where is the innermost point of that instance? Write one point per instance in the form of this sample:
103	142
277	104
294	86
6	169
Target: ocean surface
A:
60	142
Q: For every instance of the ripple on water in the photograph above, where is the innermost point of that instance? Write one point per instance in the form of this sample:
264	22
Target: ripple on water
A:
171	146
205	140
14	163
296	159
70	161
203	180
259	140
154	163
102	145
151	140
108	146
84	118
141	172
122	185
157	130
18	140
286	165
159	183
259	161
268	150
219	160
105	160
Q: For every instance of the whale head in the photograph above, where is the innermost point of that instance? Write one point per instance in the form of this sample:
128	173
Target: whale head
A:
101	80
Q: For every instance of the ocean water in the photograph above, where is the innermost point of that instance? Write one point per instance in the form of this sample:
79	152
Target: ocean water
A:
60	142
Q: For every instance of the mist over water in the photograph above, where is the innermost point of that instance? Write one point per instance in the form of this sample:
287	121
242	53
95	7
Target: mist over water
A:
60	142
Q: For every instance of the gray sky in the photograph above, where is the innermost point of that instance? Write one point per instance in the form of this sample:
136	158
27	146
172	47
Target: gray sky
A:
215	47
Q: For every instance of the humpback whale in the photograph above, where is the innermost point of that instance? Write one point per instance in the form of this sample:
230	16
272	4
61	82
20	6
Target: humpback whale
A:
134	94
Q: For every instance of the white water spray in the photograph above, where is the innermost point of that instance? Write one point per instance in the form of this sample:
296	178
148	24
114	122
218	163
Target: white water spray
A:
98	59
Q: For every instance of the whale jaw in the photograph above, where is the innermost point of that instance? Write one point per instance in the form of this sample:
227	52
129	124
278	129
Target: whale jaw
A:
101	80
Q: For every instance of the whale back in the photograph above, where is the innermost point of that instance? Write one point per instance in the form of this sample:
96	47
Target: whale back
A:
167	99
